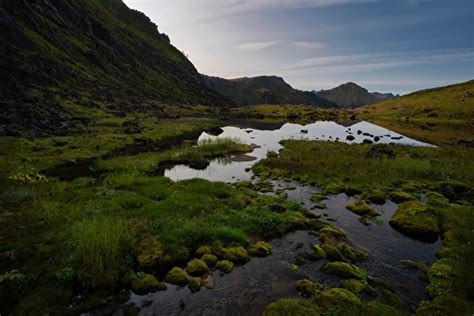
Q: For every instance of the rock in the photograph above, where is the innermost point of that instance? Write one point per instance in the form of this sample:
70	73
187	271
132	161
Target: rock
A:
367	141
209	259
195	284
177	276
359	132
376	139
305	288
236	254
304	131
361	208
214	131
350	138
209	282
260	249
381	150
225	266
146	283
203	250
345	270
416	220
197	267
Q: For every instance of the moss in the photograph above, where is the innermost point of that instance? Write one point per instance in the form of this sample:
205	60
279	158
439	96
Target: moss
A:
334	188
197	267
177	276
260	249
338	251
299	260
317	254
151	253
146	283
332	232
291	307
376	308
306	288
195	285
416	220
203	250
345	270
341	298
210	260
353	285
225	266
235	254
375	196
446	305
351	190
362	208
400	196
392	299
318	197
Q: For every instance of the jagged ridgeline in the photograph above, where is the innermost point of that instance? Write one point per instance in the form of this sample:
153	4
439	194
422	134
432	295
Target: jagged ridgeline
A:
95	49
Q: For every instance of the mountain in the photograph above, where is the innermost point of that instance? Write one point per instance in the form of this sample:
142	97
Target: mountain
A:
264	90
55	51
350	95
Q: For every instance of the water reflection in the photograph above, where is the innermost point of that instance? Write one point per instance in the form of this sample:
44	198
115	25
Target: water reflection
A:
234	169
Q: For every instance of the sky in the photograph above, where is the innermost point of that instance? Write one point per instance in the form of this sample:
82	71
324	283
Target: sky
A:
395	46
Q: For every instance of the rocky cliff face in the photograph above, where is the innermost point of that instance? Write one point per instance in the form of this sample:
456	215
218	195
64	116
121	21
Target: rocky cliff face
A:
264	90
89	51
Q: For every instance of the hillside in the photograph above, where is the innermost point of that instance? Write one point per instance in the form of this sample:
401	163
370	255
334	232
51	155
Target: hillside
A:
443	115
85	50
350	95
264	90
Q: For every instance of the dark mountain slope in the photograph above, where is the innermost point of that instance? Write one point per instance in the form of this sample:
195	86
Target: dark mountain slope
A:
97	49
350	95
264	90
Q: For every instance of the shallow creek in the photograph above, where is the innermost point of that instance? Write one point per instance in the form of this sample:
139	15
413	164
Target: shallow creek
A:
249	288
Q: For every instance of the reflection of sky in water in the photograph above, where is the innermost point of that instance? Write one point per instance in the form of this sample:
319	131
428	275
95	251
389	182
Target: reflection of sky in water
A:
230	171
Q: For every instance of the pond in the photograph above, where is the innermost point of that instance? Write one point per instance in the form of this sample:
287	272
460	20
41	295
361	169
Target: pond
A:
267	138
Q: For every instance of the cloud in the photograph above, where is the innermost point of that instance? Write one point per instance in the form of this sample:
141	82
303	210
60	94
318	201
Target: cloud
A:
257	46
310	45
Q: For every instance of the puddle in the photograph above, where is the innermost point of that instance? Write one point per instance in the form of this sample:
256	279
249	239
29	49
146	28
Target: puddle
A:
268	136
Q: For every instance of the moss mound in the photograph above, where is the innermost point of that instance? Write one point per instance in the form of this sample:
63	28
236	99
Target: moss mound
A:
209	259
376	308
353	285
151	253
362	208
341	298
260	249
235	254
225	266
177	276
305	287
203	250
195	285
417	221
146	283
345	270
400	197
197	267
291	307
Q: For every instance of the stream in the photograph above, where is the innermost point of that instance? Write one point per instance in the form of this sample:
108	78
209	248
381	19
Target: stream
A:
249	288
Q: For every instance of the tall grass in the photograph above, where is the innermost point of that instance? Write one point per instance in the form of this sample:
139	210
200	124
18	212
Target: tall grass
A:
101	246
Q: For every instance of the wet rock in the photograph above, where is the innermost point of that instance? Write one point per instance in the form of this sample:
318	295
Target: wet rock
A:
416	220
197	267
177	276
195	284
260	249
225	266
380	151
362	208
